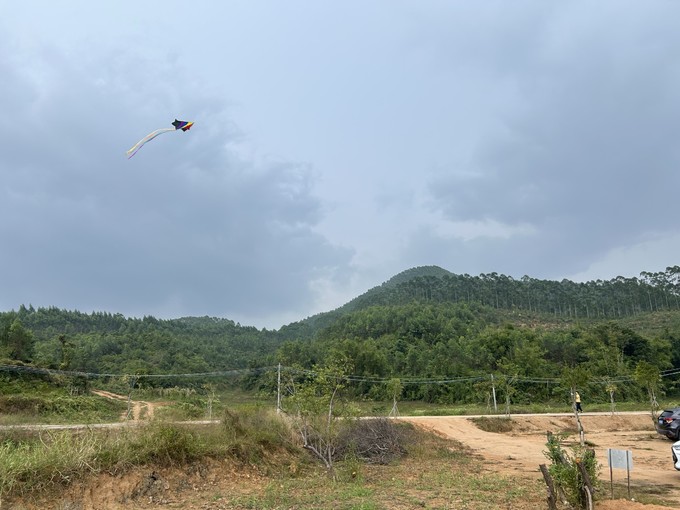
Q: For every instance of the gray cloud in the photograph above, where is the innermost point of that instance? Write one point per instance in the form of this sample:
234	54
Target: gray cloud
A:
587	152
187	226
335	145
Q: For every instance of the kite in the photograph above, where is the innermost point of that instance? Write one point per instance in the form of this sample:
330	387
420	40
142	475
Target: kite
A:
178	124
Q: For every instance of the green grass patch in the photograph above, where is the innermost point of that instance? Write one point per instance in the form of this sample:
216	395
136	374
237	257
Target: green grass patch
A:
57	407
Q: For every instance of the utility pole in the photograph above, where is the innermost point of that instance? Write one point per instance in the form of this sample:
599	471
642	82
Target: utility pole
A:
278	390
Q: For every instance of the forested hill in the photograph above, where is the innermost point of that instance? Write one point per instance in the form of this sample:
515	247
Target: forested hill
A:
618	298
111	343
415	312
379	295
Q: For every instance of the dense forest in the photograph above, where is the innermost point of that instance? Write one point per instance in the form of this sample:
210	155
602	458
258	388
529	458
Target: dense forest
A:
444	335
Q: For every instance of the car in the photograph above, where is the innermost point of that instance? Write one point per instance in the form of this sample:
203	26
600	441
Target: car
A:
675	451
668	424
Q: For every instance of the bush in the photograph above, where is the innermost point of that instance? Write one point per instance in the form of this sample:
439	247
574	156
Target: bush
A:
167	444
564	469
374	441
497	425
254	432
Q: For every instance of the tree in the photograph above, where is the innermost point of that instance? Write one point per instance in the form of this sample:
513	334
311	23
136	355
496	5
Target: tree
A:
313	406
611	388
18	342
211	398
394	389
649	377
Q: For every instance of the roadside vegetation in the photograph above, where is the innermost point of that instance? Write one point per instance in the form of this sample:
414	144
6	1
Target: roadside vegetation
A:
426	472
37	460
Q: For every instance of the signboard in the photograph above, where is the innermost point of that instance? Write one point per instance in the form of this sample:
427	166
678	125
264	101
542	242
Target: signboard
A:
620	459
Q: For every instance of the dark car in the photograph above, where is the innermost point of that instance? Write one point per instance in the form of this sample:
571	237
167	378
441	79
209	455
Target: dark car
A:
668	424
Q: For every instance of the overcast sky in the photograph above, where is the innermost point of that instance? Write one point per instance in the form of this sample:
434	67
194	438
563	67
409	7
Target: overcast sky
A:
335	145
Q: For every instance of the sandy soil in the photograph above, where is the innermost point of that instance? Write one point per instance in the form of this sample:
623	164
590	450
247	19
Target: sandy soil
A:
519	453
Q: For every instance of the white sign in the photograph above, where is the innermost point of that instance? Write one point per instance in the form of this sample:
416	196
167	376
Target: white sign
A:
620	459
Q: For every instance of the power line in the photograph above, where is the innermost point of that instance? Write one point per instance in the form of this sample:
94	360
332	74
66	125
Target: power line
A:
350	378
96	375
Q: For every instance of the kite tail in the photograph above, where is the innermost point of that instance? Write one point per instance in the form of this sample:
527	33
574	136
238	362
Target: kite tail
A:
147	138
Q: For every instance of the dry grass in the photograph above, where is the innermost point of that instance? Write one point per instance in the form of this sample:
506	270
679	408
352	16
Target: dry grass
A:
434	473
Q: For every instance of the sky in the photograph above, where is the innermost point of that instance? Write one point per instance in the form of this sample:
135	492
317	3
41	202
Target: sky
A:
335	145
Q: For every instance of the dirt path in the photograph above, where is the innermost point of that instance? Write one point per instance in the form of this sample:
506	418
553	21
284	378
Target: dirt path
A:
139	409
520	452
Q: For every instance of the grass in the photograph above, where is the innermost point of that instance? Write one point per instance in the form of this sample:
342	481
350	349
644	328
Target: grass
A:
436	473
44	400
249	461
36	461
55	407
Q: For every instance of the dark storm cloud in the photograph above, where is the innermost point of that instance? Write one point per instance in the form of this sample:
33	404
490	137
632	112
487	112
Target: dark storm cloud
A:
187	226
586	154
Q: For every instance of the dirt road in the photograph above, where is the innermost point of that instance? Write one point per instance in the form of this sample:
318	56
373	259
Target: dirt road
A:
519	453
138	409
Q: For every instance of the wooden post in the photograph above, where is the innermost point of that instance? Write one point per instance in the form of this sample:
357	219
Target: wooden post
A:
586	486
552	498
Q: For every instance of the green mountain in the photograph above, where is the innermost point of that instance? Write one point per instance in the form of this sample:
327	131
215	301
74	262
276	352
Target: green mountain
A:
423	322
617	299
445	336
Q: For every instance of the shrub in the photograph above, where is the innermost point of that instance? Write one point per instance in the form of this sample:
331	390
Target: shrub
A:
167	444
374	441
498	425
564	469
253	433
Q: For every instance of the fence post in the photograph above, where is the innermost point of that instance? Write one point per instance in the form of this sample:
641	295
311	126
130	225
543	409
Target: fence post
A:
586	486
552	499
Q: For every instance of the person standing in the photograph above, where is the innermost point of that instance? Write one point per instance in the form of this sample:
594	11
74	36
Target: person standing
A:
577	399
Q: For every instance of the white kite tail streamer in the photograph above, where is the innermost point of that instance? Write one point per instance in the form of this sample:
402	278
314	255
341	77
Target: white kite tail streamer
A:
147	138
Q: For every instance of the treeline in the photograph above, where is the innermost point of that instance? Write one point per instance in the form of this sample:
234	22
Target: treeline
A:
466	344
111	343
614	298
424	324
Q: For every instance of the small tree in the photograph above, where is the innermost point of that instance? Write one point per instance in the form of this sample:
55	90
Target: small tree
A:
211	398
507	381
486	389
394	389
507	385
313	407
575	474
649	377
611	389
